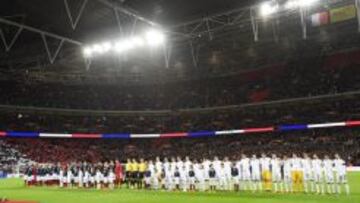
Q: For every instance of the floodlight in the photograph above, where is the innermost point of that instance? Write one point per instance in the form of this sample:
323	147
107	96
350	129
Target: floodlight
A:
155	38
268	8
299	3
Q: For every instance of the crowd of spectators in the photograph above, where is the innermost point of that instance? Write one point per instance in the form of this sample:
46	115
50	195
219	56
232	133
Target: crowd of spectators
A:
300	78
343	141
10	158
312	111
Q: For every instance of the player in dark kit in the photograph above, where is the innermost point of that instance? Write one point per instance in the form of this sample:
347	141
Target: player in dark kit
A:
235	176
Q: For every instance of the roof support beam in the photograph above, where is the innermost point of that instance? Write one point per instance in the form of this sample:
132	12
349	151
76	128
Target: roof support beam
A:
127	12
41	32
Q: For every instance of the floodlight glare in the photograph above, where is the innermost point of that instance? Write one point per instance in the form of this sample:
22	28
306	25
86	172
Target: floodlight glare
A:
299	3
154	38
304	3
268	8
137	41
106	46
87	52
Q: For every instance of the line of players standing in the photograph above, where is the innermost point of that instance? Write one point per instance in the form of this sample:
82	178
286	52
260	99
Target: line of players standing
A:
293	174
82	174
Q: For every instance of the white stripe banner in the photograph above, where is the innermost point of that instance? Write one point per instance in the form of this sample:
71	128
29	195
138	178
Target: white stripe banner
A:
326	125
229	132
54	135
144	135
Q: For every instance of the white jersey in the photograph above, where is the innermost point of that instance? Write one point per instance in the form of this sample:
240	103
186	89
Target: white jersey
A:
187	165
328	166
296	164
317	166
151	168
245	165
221	173
217	165
275	166
340	167
306	165
167	167
183	174
158	166
275	170
227	167
206	165
172	167
255	166
179	164
265	164
200	174
287	167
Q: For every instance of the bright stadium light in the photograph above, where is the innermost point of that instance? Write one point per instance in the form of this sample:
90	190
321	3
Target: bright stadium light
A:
299	3
268	8
155	37
106	46
87	52
137	41
305	3
151	38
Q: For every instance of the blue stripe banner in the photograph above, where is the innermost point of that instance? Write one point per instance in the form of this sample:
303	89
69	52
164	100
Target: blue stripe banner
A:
23	134
202	134
292	127
116	136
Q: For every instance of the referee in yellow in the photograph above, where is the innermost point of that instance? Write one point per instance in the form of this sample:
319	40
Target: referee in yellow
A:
128	170
142	170
134	172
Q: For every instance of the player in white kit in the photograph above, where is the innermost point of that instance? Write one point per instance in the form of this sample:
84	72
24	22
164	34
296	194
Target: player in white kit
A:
340	171
276	173
329	174
246	173
227	168
287	174
317	168
255	174
183	178
222	178
200	178
308	175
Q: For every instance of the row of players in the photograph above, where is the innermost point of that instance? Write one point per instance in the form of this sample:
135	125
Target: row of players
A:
293	174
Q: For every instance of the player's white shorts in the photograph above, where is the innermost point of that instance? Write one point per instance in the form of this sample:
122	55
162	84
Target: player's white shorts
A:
287	177
85	179
246	176
176	180
92	179
341	179
213	181
308	176
222	181
318	176
255	176
147	180
235	179
192	180
276	177
329	177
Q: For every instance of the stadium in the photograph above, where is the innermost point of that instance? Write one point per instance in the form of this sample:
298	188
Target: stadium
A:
179	101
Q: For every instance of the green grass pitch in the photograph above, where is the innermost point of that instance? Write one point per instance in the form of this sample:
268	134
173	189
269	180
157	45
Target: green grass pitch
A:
14	189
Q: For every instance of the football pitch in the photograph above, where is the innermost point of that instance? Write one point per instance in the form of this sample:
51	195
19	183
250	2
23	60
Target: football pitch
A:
14	189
